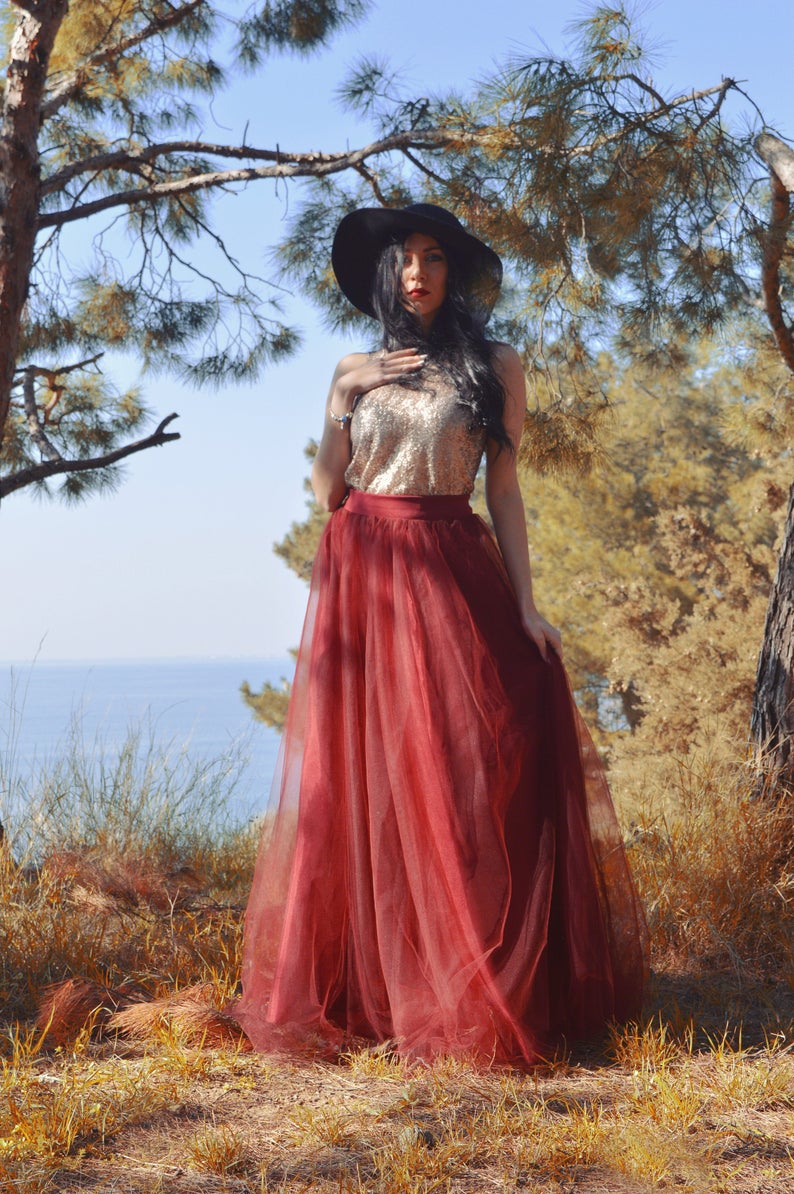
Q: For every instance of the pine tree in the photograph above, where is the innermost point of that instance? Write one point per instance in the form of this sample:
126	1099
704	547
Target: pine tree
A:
97	130
773	704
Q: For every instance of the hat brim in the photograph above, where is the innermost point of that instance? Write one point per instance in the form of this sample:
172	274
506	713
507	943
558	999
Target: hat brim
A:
362	234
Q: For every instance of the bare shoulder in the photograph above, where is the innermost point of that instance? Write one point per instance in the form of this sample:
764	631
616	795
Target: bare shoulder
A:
349	362
506	361
509	368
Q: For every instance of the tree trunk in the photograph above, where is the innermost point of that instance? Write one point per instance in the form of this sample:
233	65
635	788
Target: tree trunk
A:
773	701
20	182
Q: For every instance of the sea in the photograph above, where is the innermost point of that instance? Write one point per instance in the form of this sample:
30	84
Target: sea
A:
189	707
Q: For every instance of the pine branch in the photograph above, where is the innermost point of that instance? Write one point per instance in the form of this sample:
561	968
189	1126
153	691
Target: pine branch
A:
52	468
372	180
75	83
664	109
304	165
61	371
133	159
638	121
727	85
644	85
415	161
301	165
778	156
35	424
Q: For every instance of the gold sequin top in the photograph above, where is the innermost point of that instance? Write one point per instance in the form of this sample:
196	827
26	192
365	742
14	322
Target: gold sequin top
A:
416	442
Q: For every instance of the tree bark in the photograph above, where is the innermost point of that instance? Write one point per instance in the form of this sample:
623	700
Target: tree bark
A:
20	177
773	699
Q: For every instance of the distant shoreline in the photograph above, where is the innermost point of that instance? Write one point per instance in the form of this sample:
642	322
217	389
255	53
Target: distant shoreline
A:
146	660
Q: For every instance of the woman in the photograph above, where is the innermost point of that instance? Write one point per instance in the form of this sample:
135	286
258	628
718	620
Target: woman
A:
445	870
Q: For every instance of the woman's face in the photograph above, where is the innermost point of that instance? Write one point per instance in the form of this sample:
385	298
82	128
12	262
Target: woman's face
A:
424	277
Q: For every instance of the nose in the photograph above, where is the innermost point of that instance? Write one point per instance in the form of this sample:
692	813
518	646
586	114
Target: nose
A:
414	268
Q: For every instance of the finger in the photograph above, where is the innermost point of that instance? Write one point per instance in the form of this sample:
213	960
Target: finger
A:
411	358
401	367
540	643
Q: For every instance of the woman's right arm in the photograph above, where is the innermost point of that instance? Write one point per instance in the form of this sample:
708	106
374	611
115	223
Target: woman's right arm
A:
355	375
333	454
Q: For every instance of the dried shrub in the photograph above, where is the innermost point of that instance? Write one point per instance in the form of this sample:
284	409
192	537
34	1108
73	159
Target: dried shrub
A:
715	867
196	1015
69	1008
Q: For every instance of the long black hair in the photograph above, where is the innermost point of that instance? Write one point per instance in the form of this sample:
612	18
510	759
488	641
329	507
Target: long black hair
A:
455	339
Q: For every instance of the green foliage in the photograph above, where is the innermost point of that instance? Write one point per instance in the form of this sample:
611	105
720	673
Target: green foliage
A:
270	704
144	797
657	563
295	25
85	417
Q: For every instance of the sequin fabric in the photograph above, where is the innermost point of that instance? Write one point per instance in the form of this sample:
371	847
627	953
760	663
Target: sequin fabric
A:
418	442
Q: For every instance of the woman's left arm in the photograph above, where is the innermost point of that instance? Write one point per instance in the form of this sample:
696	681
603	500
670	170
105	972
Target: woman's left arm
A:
506	506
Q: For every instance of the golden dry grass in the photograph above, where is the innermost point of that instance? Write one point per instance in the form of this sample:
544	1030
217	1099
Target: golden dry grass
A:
647	1113
715	865
133	1080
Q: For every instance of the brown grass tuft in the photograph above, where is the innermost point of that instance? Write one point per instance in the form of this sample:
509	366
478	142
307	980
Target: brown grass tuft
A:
127	880
68	1008
217	1150
195	1014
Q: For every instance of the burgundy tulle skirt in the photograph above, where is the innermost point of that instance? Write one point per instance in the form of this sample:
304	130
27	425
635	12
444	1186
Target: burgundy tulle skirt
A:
441	866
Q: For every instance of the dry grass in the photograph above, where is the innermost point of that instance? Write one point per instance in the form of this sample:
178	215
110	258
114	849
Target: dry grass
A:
119	871
649	1113
56	926
133	1078
715	866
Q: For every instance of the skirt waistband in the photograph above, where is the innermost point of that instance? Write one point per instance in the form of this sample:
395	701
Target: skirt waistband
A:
386	505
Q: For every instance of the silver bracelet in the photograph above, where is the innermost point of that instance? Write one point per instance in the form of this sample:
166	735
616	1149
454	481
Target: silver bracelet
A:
342	420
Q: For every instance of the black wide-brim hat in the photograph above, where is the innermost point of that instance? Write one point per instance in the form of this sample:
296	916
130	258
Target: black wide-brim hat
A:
362	234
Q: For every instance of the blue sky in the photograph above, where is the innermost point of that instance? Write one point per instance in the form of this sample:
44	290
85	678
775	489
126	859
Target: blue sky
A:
178	563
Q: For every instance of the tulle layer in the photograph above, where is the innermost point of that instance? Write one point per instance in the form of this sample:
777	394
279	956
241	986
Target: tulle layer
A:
442	866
